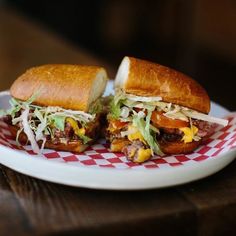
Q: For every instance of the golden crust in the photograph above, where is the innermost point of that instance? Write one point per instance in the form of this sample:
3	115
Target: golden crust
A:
178	147
67	86
117	145
75	146
150	79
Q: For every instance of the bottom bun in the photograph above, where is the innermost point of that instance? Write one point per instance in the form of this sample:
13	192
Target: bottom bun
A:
117	145
178	147
74	146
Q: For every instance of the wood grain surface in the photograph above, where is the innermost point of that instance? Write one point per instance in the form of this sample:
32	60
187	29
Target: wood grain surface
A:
29	206
206	207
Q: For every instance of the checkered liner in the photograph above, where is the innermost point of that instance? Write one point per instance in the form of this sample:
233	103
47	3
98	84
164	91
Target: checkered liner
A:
99	155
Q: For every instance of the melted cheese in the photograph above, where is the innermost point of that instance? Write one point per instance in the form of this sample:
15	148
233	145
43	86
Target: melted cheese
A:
135	134
143	155
189	133
78	131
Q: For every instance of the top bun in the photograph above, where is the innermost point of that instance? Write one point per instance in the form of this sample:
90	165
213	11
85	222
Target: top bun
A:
68	86
143	78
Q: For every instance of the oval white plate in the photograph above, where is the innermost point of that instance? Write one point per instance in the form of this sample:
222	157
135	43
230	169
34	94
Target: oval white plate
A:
119	178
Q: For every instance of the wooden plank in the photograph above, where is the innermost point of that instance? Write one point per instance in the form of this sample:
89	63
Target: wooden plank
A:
13	220
53	208
215	200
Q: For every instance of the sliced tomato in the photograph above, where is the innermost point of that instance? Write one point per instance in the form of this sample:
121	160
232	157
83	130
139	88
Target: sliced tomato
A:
118	124
159	120
137	109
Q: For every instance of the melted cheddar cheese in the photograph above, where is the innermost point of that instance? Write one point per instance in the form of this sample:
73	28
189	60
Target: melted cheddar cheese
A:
78	131
143	155
135	134
189	133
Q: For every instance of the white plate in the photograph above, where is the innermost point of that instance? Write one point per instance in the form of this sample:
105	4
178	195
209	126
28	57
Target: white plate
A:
119	178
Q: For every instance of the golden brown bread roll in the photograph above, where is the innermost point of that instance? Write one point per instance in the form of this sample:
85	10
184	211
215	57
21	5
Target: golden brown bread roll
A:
143	78
72	87
157	110
69	90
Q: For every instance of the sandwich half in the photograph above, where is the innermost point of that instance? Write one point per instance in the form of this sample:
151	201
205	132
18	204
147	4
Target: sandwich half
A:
157	110
57	106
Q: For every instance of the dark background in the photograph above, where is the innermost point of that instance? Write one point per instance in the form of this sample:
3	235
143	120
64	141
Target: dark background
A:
196	37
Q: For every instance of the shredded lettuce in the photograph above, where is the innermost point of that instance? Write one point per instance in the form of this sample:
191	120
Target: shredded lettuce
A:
115	109
138	110
116	104
38	122
28	130
200	116
143	125
59	122
143	99
139	119
15	107
120	100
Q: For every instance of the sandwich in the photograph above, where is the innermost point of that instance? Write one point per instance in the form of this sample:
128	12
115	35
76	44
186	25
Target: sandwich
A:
57	107
157	110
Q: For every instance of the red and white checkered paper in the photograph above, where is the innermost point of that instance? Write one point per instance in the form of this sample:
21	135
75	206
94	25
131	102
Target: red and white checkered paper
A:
99	155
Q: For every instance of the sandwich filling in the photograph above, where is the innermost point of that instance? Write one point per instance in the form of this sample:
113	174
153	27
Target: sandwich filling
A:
139	125
54	124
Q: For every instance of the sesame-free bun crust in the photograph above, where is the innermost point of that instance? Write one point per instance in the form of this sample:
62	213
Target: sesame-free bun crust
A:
68	86
143	78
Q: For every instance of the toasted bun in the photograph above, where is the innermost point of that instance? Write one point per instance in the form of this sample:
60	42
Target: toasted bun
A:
178	147
75	146
145	78
68	86
117	145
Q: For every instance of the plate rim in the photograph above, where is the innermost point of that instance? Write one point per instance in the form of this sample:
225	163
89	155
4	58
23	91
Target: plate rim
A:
212	166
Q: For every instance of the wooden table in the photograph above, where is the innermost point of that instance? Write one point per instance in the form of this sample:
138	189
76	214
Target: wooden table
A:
29	206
